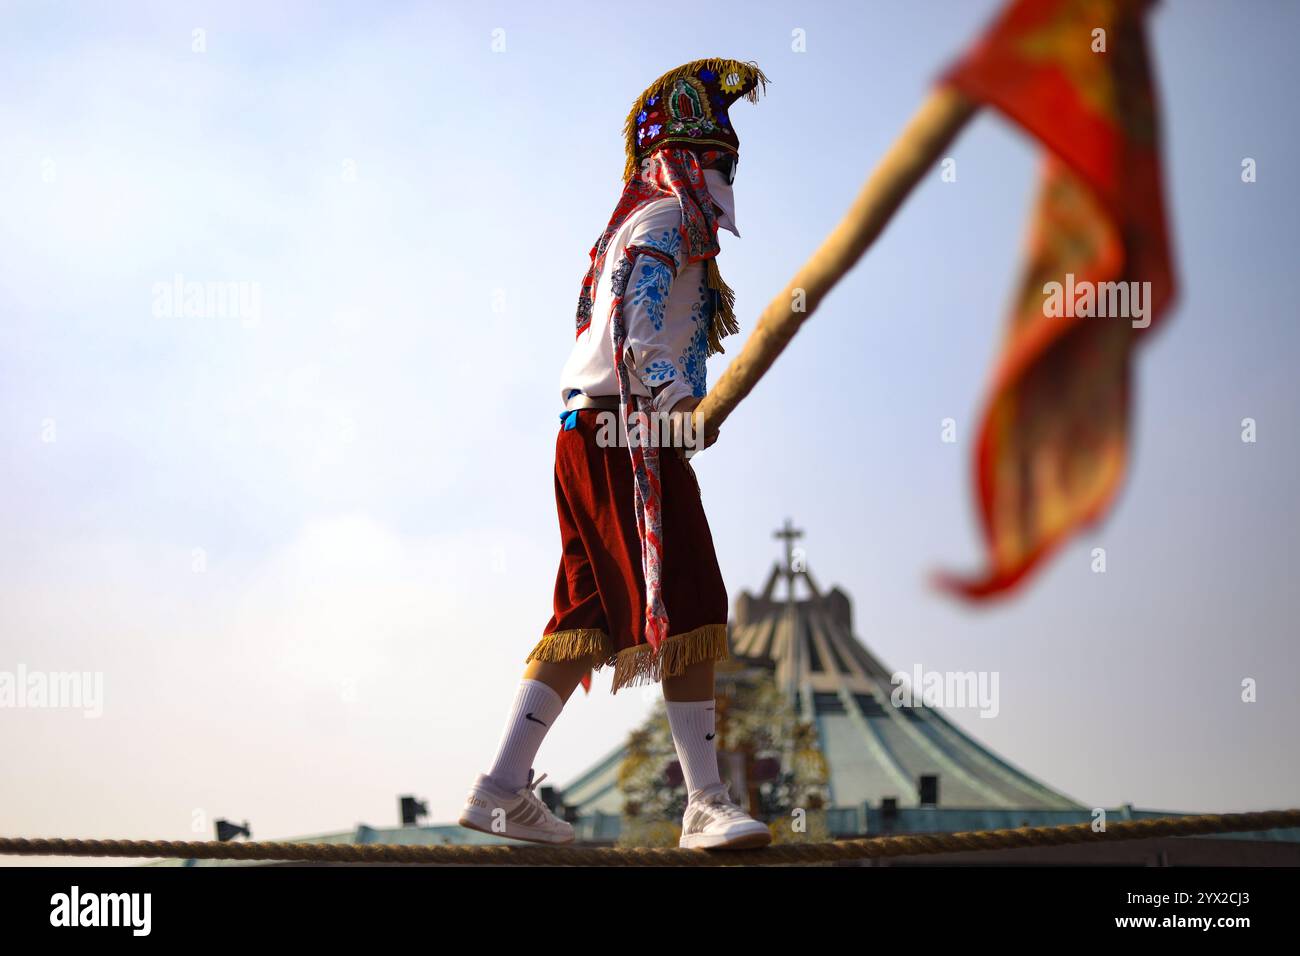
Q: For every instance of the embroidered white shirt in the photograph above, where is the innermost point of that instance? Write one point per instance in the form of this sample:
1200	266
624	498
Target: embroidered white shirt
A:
667	317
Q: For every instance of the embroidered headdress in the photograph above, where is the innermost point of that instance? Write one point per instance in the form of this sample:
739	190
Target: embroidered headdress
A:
687	107
678	125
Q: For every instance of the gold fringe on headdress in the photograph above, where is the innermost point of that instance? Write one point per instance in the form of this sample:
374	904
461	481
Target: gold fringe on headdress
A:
748	72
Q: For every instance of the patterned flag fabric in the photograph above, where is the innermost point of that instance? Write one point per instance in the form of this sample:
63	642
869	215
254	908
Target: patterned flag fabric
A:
1053	444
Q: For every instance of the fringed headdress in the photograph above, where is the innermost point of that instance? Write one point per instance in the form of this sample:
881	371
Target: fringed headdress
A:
688	107
684	115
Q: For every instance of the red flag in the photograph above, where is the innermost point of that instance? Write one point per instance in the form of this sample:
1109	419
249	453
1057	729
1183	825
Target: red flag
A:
1053	444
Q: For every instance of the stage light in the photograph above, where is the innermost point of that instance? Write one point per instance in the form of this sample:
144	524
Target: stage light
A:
228	831
412	809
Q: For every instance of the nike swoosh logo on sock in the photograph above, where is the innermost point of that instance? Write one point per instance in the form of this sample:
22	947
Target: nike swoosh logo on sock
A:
708	736
529	716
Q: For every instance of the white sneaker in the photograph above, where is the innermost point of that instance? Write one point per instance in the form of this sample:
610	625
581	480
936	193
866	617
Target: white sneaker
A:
714	822
518	814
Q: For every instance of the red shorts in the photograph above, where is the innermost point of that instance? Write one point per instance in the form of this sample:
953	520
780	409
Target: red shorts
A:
600	588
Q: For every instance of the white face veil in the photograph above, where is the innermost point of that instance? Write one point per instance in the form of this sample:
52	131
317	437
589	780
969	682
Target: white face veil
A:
721	194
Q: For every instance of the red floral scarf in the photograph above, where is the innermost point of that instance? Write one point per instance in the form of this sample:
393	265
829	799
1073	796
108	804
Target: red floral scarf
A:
665	173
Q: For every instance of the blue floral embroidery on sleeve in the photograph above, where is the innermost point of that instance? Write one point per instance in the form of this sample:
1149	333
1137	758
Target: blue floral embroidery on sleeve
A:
652	287
696	353
668	242
658	372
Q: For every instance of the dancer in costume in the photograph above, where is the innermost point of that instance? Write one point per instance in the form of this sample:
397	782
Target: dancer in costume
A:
639	587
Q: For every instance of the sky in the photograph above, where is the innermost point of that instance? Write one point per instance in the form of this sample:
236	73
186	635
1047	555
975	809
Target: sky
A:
307	545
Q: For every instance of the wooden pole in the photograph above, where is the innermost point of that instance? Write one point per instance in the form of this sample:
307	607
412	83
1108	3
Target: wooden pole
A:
930	131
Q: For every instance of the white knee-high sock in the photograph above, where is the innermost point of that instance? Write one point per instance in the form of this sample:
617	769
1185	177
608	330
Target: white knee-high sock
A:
535	709
692	725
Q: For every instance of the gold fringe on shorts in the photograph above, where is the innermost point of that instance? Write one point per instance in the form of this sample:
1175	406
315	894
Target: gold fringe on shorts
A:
574	645
639	664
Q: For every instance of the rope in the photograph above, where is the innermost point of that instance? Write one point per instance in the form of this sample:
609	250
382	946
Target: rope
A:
841	850
913	155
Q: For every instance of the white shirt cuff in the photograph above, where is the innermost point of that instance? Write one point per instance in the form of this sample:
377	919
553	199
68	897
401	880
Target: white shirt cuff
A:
671	394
